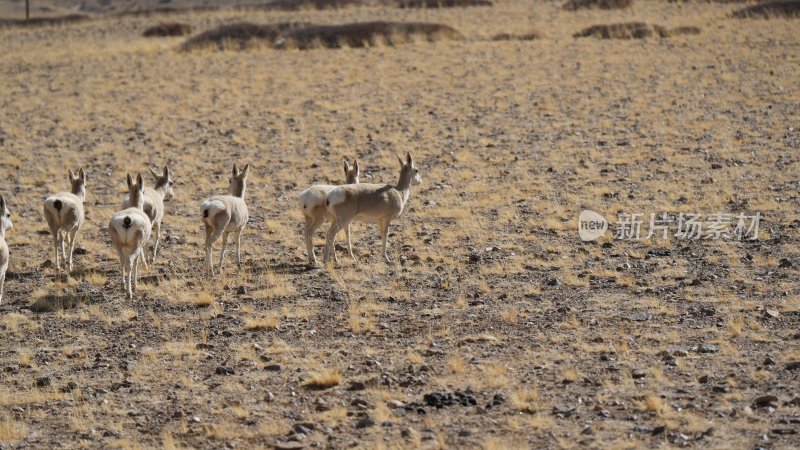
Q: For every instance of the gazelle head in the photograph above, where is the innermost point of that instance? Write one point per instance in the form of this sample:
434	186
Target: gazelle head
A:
351	173
5	216
408	171
78	183
164	182
136	191
239	181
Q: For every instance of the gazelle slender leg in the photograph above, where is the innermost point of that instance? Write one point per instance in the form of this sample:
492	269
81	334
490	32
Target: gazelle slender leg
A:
330	239
312	225
238	248
211	236
73	234
349	242
128	264
55	250
122	267
2	283
157	229
224	247
385	237
136	260
61	237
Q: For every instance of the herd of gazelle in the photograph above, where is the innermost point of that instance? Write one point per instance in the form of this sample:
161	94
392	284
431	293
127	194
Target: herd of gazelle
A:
130	229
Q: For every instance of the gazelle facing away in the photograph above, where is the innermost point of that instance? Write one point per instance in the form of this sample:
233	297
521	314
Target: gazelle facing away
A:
129	230
226	214
154	203
312	203
64	215
379	203
5	224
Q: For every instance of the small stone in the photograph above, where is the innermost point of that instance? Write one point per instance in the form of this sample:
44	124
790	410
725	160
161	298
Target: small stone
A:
47	264
224	370
43	382
553	282
720	389
640	316
769	361
707	348
365	422
638	374
765	401
270	397
272	367
703	379
794	365
464	433
771	313
241	291
357	386
395	404
784	263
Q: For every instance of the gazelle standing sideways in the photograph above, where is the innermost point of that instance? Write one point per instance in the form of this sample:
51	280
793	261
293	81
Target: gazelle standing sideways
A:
154	203
64	215
312	203
5	224
130	230
379	203
226	214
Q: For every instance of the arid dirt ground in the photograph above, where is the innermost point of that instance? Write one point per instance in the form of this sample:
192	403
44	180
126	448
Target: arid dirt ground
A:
541	340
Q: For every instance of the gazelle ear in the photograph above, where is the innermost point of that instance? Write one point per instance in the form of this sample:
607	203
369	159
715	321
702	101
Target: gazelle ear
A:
130	180
245	171
346	168
355	167
2	204
71	175
166	171
409	160
235	170
82	174
140	181
399	159
154	174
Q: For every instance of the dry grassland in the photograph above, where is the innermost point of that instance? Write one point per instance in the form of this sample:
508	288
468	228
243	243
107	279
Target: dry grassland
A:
532	338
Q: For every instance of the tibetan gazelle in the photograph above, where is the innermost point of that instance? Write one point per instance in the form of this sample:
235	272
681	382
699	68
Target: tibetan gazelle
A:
379	203
312	203
5	224
64	215
226	214
130	230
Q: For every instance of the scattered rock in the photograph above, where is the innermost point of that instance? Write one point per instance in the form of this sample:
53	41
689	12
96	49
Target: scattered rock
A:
365	422
640	316
394	404
497	400
225	370
563	411
794	365
769	361
765	401
771	313
272	367
638	374
706	348
440	400
43	381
